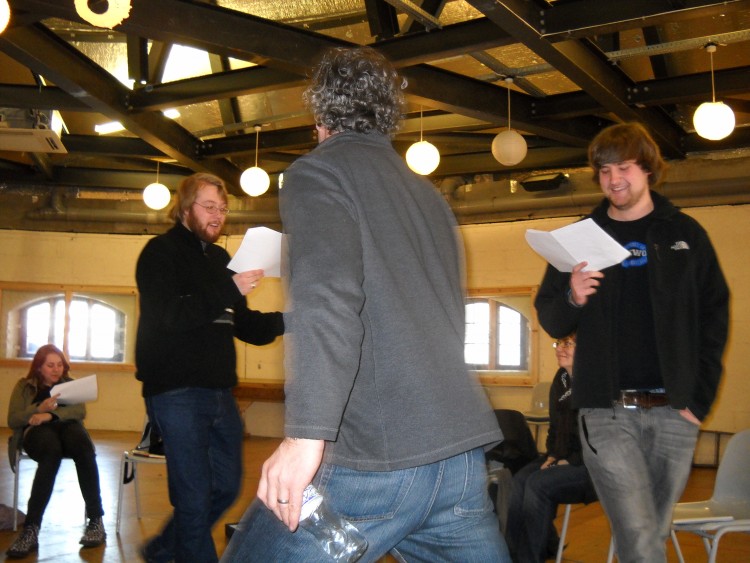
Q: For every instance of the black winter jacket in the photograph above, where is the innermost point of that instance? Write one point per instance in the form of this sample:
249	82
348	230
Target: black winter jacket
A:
690	302
191	310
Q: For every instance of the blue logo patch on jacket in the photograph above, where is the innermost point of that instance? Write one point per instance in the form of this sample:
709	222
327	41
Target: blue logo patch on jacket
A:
638	255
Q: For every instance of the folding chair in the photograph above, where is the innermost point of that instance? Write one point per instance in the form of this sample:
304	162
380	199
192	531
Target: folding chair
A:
133	458
728	509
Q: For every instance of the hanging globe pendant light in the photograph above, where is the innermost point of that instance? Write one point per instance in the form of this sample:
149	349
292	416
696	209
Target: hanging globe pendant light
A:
509	147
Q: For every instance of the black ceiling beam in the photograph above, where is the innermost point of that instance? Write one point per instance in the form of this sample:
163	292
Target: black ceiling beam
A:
487	102
250	38
692	87
418	48
46	54
33	97
675	90
229	108
586	18
228	84
137	59
382	19
739	138
582	63
449	41
286	139
104	145
432	7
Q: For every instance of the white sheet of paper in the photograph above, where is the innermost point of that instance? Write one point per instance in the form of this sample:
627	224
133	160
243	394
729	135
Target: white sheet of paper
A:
582	241
260	250
77	391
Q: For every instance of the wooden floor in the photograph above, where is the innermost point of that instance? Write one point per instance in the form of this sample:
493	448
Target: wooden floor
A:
588	533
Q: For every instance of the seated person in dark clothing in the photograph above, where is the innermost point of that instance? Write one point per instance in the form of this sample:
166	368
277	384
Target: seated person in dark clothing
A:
558	477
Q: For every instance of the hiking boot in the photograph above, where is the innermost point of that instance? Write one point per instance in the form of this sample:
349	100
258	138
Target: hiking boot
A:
94	534
26	542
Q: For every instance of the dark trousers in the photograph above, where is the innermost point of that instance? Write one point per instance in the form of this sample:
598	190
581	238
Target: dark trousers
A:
48	444
535	495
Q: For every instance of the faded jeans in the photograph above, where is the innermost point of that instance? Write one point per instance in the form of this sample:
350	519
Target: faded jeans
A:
202	433
439	512
639	460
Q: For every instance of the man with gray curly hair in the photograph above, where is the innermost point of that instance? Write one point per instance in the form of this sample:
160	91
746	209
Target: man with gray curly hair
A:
381	413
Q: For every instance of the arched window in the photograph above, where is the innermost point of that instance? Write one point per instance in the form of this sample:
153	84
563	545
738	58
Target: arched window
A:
96	330
497	336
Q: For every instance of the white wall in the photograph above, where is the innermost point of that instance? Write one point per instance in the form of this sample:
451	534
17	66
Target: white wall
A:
497	256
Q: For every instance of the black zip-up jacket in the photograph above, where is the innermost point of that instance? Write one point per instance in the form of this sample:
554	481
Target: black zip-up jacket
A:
690	301
191	310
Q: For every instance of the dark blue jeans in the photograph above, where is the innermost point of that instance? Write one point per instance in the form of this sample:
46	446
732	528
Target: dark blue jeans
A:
202	433
535	495
47	445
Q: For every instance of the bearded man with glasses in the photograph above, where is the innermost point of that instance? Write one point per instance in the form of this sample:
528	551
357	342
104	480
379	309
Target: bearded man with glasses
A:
192	308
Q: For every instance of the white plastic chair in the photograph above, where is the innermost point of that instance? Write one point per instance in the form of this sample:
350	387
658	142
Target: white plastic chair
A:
564	532
130	456
538	414
728	509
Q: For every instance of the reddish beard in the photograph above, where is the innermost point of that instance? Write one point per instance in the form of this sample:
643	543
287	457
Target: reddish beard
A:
202	231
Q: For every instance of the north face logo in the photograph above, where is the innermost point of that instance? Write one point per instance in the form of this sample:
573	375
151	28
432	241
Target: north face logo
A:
680	245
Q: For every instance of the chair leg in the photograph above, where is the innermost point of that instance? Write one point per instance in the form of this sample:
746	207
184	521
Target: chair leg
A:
119	493
137	492
676	545
16	469
563	533
715	545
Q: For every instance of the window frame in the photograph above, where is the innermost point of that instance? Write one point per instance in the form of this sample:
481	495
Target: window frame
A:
515	378
69	292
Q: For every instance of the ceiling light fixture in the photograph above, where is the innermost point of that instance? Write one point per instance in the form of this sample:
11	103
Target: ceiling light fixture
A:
4	14
713	120
255	181
156	196
422	157
509	147
116	11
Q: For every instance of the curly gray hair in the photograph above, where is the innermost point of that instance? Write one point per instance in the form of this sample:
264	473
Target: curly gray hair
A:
355	89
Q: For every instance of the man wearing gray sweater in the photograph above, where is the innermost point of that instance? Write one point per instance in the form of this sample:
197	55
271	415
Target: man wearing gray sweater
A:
381	413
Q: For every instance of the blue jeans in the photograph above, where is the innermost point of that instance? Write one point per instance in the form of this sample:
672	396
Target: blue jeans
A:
639	460
439	512
202	433
535	494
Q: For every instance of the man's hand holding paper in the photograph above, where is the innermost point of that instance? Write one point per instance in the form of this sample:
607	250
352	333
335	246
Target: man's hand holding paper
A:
260	250
584	241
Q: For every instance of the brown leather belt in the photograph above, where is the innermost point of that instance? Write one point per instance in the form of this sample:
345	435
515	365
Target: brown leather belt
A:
642	399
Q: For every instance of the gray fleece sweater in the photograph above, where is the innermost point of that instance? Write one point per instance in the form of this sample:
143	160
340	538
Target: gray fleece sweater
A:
374	347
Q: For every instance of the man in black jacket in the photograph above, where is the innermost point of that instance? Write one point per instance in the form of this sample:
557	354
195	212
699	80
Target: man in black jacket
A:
191	309
651	333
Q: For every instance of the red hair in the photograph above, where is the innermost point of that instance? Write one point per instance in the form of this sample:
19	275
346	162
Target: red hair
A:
40	357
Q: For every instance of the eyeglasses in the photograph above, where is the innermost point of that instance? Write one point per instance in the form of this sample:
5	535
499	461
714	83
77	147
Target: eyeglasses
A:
564	344
213	209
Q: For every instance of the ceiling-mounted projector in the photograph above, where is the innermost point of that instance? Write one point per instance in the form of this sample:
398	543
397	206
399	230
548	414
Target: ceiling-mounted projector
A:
28	131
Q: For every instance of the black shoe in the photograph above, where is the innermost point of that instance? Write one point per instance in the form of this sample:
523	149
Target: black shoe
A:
26	542
94	535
